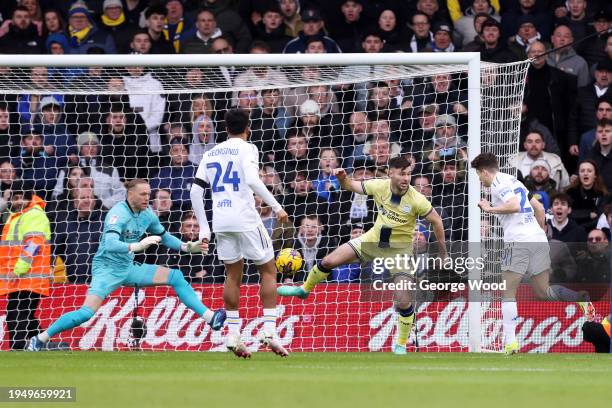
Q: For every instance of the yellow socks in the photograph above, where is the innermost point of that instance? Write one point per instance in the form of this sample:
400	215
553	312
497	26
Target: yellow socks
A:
404	325
316	275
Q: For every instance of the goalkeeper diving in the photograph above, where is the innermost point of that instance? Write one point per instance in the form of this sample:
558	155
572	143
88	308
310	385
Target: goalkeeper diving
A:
399	205
113	265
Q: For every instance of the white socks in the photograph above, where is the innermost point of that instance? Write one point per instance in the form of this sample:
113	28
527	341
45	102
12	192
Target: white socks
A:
510	317
270	320
234	322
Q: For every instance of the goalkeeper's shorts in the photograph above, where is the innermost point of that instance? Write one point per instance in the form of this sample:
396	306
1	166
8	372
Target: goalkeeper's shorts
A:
368	249
106	279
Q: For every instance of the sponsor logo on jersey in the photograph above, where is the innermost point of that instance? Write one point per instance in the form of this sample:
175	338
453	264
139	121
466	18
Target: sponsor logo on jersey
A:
113	219
226	203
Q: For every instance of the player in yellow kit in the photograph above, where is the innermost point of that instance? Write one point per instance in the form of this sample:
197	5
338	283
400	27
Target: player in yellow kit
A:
399	205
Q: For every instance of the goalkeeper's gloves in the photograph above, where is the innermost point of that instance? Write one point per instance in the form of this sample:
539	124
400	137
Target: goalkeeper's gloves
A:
21	267
194	247
144	243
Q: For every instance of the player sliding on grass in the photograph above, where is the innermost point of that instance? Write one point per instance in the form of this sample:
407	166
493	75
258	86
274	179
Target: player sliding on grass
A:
526	249
232	170
113	264
399	205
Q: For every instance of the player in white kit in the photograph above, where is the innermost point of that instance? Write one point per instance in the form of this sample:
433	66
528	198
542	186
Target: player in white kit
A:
231	169
526	250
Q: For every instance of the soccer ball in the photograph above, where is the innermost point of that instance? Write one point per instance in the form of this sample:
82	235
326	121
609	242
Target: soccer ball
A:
289	261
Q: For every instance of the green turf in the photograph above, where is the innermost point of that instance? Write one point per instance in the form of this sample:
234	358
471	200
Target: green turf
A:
316	380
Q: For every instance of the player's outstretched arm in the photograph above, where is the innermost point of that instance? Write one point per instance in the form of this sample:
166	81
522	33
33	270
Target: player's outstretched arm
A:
197	203
509	207
438	229
347	182
540	213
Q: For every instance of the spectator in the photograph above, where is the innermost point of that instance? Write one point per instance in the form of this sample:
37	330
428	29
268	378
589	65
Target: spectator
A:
69	180
443	91
272	180
583	115
312	25
230	23
34	10
302	200
77	236
22	35
28	105
203	138
577	19
196	267
422	184
269	124
293	156
260	75
84	35
493	48
443	38
542	18
348	273
282	234
145	97
140	43
432	9
422	36
535	146
155	16
162	205
326	185
394	34
8	175
348	31
561	227
424	131
566	58
9	139
372	42
291	17
25	270
53	23
589	195
124	143
460	8
588	139
446	144
539	183
464	26
594	263
312	243
525	36
178	176
450	192
594	50
379	150
206	31
107	183
113	21
358	131
178	26
600	154
549	94
34	165
135	10
271	28
476	43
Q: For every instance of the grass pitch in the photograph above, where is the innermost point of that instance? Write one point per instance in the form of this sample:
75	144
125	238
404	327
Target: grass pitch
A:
315	380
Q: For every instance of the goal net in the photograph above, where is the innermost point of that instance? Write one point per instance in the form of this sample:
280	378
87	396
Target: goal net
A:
77	129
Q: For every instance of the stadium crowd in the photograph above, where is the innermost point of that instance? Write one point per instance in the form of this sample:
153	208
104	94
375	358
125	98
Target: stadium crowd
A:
77	150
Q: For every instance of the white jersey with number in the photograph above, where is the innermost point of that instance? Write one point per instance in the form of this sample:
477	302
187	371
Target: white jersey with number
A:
224	168
523	225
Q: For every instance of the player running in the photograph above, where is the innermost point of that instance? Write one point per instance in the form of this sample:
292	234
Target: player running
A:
526	249
399	205
232	170
113	265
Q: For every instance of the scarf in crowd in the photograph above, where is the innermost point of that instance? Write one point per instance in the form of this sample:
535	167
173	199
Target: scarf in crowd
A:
413	42
113	23
176	40
77	36
524	44
450	48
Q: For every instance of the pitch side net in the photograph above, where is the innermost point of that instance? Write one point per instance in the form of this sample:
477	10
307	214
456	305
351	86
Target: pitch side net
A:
77	129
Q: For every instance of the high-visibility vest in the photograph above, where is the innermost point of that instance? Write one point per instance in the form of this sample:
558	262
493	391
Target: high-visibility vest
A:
606	325
26	235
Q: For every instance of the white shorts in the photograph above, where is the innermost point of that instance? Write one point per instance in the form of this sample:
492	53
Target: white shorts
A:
254	245
529	258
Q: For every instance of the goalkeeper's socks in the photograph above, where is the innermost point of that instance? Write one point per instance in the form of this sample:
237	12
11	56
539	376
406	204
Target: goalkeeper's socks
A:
404	324
187	295
509	319
234	322
270	320
70	320
317	274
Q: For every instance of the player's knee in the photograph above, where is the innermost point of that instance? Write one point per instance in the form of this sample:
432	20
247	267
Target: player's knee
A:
327	263
82	315
176	278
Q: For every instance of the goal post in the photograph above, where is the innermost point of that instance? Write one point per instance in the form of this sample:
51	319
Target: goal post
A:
169	108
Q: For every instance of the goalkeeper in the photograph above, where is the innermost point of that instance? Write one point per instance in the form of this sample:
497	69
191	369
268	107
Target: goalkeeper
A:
114	266
399	205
